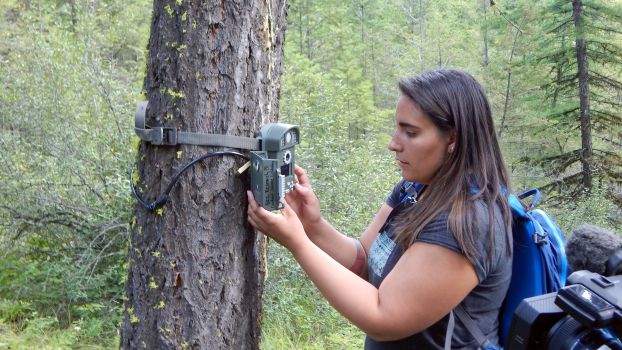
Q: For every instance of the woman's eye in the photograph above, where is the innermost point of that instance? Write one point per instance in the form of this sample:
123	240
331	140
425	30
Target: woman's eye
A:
411	133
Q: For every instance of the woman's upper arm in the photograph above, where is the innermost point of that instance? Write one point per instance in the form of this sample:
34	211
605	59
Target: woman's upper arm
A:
425	285
371	232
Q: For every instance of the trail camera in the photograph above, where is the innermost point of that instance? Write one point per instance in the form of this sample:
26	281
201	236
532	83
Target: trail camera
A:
272	168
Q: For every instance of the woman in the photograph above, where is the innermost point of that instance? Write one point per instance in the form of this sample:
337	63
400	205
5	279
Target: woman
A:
443	237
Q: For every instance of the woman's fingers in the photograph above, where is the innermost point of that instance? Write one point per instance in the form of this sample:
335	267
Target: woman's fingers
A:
287	211
302	190
252	204
301	174
254	210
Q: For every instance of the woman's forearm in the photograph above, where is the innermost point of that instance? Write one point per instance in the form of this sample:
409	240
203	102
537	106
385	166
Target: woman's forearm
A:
352	296
337	245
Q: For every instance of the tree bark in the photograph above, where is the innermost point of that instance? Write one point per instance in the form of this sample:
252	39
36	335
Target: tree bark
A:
584	95
196	268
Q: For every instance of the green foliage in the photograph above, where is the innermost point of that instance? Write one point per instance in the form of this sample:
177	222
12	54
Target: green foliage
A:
597	209
71	73
68	81
15	311
296	315
45	333
554	96
342	134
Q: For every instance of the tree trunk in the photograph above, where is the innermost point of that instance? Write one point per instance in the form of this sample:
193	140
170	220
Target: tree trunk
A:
362	17
486	60
422	33
508	84
308	30
196	268
584	95
558	75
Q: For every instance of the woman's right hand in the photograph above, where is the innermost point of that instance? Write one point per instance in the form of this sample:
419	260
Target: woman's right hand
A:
303	200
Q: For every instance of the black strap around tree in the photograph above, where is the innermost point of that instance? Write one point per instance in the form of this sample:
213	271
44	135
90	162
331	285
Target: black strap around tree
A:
166	136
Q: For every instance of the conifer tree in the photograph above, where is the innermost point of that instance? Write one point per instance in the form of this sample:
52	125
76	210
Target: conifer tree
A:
582	55
196	268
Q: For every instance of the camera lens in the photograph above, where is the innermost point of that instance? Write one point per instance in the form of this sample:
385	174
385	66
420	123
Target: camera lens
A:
570	334
287	157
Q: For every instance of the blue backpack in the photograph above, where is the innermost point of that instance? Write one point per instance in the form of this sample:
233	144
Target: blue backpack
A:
539	264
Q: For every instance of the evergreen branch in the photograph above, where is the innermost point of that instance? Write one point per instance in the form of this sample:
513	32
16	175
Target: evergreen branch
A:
604	57
603	84
606	30
611	118
608	46
602	11
494	6
605	101
561	25
608	82
610	140
560	162
596	17
608	161
556	55
616	176
608	155
565	84
563	113
563	92
566	180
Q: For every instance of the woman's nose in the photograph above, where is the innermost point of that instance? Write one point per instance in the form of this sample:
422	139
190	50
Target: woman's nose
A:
393	146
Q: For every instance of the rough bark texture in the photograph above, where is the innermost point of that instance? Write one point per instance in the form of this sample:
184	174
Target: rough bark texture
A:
196	267
584	95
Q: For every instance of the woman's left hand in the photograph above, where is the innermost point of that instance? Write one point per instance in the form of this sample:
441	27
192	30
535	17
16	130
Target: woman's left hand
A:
286	229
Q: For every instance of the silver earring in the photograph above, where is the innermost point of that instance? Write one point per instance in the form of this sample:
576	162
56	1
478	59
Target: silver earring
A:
451	147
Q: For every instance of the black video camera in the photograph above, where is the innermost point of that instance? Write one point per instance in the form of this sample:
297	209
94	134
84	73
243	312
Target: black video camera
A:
586	314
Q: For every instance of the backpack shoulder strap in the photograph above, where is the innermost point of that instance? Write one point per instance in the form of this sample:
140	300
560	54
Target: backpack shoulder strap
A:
475	331
450	330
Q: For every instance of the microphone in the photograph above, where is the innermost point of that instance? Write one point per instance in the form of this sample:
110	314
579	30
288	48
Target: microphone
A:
594	249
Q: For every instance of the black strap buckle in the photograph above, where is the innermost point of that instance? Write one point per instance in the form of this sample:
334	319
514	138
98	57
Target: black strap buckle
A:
164	136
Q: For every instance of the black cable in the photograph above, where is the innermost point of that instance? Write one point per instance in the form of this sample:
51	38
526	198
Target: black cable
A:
163	198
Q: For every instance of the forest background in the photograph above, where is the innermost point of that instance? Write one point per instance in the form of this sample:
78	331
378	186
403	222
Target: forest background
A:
71	73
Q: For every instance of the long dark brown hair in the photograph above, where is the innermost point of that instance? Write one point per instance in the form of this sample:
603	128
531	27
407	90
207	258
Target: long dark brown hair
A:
474	171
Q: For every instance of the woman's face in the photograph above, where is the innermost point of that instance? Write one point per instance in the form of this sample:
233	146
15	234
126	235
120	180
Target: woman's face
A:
420	147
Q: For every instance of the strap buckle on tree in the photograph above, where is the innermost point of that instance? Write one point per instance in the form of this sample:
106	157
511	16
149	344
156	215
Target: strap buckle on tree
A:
162	136
168	136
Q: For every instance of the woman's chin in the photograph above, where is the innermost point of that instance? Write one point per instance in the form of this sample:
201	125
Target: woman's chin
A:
408	178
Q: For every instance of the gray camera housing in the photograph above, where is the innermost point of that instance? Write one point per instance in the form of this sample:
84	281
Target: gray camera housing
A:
272	168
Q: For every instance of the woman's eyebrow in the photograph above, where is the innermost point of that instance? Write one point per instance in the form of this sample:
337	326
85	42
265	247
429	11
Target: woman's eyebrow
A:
407	125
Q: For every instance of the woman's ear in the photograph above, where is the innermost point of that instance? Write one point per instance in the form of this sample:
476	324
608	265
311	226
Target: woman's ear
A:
452	141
